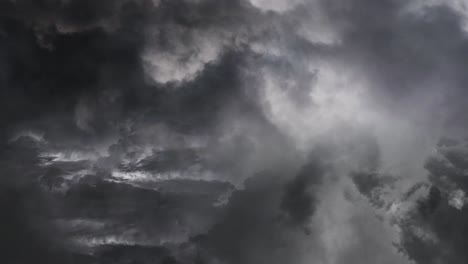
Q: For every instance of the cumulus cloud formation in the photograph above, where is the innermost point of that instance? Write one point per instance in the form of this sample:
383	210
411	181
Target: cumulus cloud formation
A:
233	131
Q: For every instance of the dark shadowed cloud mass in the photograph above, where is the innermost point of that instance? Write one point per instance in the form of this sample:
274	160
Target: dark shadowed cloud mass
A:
233	131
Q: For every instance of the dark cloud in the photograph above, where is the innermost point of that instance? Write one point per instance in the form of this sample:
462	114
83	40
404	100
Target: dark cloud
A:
198	131
412	57
298	200
262	221
371	184
433	228
27	235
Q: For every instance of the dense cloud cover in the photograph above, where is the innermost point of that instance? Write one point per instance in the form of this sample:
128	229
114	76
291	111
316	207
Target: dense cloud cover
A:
233	131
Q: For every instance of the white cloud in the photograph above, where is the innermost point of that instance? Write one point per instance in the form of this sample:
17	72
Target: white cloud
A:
187	53
276	5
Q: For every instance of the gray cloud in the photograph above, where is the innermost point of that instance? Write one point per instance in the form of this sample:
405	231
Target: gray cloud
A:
193	131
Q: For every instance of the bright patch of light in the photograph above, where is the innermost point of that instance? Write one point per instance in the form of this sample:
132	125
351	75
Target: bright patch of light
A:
457	199
336	98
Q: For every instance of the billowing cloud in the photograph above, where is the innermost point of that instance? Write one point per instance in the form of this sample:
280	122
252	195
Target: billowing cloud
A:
245	131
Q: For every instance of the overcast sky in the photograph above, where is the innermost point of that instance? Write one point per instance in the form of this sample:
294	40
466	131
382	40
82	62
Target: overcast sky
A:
233	131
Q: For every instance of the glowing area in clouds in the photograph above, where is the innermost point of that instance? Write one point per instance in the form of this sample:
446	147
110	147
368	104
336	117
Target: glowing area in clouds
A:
336	98
275	5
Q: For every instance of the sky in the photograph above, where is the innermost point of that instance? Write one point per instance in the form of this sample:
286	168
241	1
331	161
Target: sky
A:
233	131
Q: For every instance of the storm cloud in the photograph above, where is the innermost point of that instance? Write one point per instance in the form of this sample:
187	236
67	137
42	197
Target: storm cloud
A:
233	131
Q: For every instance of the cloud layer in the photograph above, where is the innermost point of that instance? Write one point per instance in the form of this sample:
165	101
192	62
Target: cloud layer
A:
245	131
